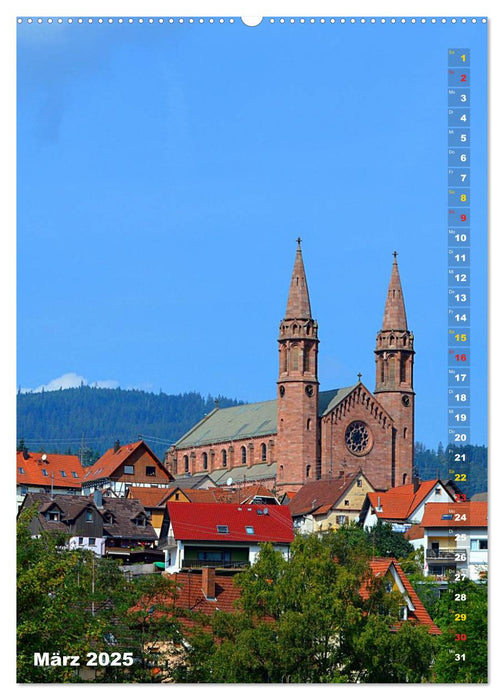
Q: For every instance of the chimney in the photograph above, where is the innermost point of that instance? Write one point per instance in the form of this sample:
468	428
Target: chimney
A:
25	453
379	507
208	583
117	445
416	481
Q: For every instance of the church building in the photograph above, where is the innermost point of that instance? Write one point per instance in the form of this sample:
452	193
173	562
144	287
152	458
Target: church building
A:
306	434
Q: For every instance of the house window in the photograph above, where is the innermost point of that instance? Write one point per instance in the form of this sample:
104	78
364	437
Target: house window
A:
347	503
244	455
140	521
129	469
223	529
75	475
108	518
478	545
92	541
249	529
341	519
53	515
63	473
150	471
388	586
224	458
438	490
44	472
21	470
81	540
263	452
205	460
24	490
89	516
359	482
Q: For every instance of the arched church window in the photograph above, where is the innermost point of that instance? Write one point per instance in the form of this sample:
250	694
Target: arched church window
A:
263	452
294	357
404	478
186	463
405	433
308	424
244	455
224	458
308	470
205	460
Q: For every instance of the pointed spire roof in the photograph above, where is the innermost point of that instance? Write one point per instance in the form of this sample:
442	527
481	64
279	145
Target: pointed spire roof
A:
298	303
394	317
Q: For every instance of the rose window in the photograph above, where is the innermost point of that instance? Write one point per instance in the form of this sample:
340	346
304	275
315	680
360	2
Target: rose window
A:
358	438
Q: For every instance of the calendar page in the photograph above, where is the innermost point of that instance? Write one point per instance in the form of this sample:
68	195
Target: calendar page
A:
251	441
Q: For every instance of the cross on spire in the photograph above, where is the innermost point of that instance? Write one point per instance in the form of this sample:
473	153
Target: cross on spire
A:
299	242
395	254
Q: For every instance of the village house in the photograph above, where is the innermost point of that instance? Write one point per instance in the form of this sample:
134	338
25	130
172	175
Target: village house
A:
38	472
124	466
456	540
222	535
328	504
113	527
403	505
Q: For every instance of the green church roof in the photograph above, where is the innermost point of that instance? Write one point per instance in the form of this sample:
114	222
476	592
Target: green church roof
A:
249	420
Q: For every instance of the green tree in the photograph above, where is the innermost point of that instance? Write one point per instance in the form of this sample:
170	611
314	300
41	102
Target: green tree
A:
387	543
462	656
307	620
71	603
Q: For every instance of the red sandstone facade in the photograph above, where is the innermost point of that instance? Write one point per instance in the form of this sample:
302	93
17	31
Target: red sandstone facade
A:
357	430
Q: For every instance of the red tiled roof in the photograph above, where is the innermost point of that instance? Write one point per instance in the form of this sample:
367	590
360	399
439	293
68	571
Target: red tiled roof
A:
379	567
191	596
220	494
29	470
400	502
475	512
415	532
113	459
320	496
199	521
150	496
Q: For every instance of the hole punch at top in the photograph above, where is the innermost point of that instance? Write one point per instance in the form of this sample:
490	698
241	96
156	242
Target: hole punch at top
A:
251	21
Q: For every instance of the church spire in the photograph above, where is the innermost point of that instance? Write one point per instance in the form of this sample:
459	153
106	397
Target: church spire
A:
298	303
394	318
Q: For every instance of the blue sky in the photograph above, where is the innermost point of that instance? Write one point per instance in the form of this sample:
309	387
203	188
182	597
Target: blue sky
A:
165	171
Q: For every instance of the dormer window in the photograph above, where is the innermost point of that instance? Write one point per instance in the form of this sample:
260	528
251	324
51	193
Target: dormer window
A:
21	470
44	472
75	475
63	473
108	518
140	521
89	516
53	515
249	529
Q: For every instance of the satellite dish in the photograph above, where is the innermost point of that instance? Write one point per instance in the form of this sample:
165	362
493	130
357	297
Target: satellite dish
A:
44	457
229	481
265	511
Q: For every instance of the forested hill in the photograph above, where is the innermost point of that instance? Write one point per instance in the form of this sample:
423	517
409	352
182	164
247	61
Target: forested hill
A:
431	464
69	420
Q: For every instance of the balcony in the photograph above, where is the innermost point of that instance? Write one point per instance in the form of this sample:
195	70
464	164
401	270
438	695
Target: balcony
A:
214	563
446	556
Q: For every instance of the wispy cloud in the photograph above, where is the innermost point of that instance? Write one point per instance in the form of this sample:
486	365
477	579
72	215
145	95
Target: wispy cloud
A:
71	380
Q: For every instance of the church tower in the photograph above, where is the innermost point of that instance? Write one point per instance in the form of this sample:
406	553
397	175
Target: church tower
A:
297	443
394	378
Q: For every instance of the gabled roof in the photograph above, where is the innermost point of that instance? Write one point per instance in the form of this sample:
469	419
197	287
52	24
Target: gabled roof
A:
124	512
249	420
318	497
115	458
400	502
150	496
29	470
191	596
379	568
472	514
200	521
233	423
